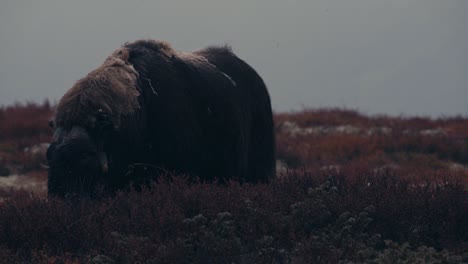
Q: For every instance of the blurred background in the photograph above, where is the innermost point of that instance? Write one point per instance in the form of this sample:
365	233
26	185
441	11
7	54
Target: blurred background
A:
394	57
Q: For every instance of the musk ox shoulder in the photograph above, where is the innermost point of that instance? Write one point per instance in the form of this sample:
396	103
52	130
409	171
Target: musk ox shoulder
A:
206	113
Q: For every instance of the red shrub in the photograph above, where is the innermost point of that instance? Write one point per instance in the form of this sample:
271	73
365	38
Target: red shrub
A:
354	183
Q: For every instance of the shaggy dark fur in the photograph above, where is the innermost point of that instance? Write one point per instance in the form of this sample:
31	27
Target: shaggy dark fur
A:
150	108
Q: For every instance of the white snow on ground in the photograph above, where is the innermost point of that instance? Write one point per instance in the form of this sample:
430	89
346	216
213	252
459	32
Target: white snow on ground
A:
35	182
40	149
24	182
432	132
294	129
281	168
457	167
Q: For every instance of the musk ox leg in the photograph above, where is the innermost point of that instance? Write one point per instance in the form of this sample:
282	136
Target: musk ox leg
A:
262	149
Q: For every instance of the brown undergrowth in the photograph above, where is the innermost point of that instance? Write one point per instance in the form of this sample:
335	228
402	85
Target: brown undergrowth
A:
351	188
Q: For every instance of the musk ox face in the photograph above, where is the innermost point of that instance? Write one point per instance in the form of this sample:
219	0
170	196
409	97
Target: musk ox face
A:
78	159
86	119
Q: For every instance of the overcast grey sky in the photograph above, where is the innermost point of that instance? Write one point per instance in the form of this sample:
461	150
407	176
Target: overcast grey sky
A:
378	56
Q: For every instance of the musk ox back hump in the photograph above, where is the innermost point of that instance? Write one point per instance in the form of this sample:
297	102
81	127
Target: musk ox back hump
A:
111	88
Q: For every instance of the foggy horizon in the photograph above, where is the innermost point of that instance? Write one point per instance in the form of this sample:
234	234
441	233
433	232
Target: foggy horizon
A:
374	56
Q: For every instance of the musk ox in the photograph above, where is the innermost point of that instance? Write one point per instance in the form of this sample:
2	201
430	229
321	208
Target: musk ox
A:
205	113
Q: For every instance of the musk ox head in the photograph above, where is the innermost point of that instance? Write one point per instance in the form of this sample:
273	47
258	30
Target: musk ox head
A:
86	117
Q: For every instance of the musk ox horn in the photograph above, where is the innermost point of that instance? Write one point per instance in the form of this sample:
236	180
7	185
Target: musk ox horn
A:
103	162
78	132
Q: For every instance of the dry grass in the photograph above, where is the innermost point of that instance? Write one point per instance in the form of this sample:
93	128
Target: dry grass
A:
357	188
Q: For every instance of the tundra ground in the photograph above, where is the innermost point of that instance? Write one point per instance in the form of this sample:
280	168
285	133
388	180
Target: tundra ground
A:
350	188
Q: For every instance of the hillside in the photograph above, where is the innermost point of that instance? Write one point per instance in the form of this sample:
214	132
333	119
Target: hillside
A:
350	188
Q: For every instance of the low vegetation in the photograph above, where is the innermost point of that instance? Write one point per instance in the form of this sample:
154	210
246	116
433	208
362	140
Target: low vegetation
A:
351	188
